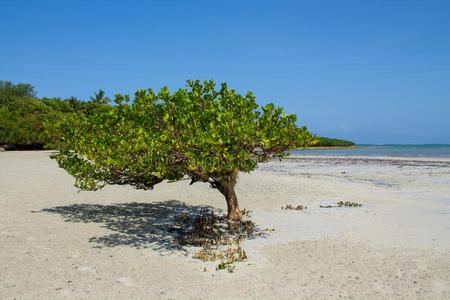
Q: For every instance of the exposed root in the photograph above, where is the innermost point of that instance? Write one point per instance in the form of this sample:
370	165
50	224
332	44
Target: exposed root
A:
218	237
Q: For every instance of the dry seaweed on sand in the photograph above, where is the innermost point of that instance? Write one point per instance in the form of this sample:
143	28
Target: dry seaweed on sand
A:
342	204
348	204
293	207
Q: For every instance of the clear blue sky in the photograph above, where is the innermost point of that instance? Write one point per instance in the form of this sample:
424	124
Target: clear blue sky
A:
370	71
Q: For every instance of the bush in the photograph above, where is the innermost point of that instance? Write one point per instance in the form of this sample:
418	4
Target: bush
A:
329	142
23	116
204	133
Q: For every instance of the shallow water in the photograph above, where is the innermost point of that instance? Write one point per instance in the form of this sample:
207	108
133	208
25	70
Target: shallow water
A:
382	150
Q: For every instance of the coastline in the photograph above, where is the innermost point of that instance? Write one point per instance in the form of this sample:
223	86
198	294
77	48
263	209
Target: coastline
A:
370	159
333	147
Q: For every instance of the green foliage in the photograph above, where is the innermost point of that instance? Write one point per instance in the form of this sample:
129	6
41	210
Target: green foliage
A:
8	89
201	132
22	119
100	98
329	142
23	116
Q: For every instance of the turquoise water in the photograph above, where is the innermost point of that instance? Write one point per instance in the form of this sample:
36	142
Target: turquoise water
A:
383	150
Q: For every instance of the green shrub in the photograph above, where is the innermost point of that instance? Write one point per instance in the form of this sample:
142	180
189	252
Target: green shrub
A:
204	133
329	142
23	116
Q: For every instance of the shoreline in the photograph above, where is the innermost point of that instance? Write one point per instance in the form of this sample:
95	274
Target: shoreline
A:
331	148
369	158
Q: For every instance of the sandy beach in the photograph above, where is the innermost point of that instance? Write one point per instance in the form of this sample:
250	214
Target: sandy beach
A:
58	243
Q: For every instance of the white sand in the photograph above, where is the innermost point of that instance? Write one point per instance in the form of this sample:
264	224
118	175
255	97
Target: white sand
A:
397	245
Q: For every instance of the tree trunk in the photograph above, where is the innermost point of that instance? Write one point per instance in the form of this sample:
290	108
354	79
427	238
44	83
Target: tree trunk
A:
226	187
234	213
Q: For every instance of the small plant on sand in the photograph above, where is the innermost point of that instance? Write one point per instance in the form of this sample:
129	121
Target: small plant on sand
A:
348	204
293	207
200	132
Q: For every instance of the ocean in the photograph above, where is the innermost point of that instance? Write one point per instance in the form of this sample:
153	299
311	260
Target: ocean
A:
381	150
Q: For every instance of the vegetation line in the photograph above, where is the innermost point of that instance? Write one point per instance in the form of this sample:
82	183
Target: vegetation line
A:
23	116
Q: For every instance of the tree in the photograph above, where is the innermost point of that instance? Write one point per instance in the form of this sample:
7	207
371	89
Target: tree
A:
8	89
199	132
22	120
330	142
100	98
23	116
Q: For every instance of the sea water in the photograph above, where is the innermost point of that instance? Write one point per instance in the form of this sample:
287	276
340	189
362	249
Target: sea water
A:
382	150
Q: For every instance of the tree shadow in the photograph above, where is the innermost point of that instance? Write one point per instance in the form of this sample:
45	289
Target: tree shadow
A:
140	225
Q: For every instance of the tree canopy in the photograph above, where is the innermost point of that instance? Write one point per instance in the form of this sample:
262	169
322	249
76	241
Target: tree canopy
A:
8	88
206	133
23	116
100	98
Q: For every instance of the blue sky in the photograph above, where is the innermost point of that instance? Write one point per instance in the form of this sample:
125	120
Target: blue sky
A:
370	71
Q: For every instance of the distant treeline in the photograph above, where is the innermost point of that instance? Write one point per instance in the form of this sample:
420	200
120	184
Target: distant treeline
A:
23	116
329	142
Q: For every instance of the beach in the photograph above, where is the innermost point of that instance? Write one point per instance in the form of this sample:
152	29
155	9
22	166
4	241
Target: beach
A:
57	242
